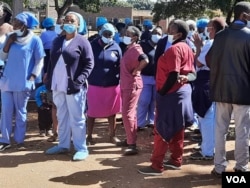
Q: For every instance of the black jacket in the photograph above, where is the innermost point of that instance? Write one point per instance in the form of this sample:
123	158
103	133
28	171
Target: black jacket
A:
229	61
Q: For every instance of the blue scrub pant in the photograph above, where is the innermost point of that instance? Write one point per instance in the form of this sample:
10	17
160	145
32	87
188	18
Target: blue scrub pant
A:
207	126
146	103
14	103
71	119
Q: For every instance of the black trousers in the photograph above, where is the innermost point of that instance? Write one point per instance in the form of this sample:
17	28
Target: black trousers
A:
45	118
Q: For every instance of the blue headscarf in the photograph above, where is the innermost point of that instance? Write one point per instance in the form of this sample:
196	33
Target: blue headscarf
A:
82	28
28	19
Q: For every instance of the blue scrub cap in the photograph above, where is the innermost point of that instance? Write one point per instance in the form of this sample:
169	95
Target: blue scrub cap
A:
202	23
100	21
108	27
148	23
82	28
128	21
48	22
28	19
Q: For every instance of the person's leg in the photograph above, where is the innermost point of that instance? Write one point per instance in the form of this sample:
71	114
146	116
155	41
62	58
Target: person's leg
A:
242	132
20	101
112	125
41	117
90	126
64	132
143	106
7	109
129	104
151	110
54	124
207	132
176	148
223	116
159	151
76	103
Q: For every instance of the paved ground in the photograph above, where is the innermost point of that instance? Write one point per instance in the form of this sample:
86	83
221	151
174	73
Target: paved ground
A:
105	167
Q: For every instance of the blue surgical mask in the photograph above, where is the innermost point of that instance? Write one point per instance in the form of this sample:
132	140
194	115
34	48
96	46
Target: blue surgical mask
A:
69	28
106	40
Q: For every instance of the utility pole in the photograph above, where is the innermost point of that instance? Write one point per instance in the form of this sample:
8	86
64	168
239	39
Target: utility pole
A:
17	7
47	8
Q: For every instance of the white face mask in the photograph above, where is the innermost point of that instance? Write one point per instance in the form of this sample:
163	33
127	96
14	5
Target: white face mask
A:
18	32
127	40
155	38
190	34
170	39
106	40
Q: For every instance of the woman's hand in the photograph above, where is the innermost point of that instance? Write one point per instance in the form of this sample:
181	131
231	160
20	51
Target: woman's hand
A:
136	72
182	79
11	39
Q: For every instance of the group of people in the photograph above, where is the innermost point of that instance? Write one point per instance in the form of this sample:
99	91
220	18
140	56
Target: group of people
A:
158	81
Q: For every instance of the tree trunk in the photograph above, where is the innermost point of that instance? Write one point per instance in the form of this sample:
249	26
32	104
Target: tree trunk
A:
61	10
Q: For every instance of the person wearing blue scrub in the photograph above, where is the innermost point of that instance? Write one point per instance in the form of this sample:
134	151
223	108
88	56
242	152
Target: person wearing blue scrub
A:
146	103
23	53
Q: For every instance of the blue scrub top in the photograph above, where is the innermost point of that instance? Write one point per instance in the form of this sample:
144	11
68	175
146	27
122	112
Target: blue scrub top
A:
20	63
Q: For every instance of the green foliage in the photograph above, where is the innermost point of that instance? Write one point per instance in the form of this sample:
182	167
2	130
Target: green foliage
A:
9	2
141	4
192	8
179	9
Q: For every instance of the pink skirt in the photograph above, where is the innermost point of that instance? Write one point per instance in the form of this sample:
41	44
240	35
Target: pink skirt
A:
103	101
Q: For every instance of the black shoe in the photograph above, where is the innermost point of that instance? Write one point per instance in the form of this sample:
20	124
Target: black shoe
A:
149	171
197	131
196	138
237	170
198	156
21	147
216	174
171	165
4	146
150	126
131	150
122	143
141	129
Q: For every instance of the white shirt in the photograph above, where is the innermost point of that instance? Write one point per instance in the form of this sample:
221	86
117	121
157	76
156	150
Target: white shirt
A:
60	76
202	57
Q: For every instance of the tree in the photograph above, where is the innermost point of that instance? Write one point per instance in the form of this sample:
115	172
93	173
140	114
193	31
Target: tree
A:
179	8
192	8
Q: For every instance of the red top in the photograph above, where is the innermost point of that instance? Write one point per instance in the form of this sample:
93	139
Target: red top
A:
178	58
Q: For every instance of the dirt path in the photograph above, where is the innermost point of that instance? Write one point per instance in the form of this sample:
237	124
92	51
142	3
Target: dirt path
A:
105	167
